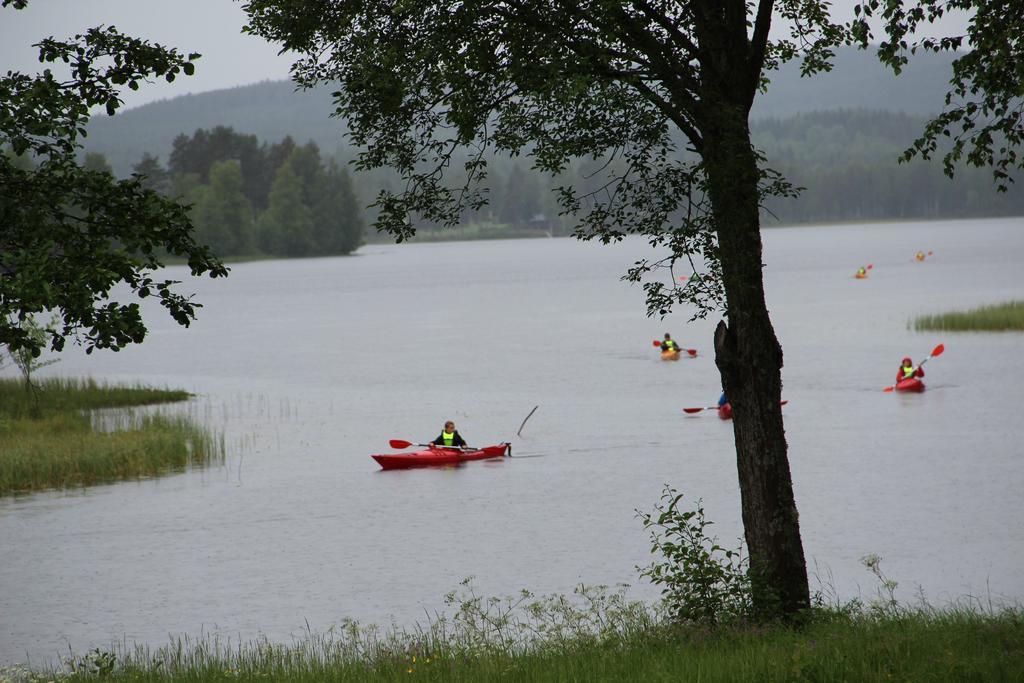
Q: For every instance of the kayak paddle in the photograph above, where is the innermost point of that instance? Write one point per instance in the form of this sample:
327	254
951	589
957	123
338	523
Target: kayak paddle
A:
401	443
692	352
697	410
937	351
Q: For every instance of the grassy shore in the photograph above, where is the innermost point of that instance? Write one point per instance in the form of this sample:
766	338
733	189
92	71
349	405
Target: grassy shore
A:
953	645
50	439
1003	317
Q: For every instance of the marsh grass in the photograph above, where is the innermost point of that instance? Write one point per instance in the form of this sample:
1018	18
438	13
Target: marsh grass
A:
1005	317
51	439
596	635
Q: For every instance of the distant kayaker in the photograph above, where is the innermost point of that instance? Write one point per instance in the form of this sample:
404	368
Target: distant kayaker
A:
862	272
908	371
669	344
722	400
449	436
919	256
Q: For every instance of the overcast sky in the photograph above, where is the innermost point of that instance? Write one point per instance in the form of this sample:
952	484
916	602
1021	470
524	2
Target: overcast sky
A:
210	27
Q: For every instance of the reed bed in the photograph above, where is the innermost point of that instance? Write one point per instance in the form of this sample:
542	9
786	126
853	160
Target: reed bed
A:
555	639
1005	317
49	438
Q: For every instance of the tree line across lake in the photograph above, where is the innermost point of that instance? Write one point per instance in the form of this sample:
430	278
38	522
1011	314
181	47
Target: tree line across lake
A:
281	199
249	198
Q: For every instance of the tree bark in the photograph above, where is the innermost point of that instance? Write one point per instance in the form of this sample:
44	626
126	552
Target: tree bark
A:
749	359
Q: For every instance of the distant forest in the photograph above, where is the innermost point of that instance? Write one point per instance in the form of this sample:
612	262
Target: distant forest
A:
252	197
241	158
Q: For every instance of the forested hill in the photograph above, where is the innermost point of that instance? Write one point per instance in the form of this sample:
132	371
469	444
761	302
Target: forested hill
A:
273	109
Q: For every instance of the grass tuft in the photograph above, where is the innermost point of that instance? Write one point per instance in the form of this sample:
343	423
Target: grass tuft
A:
1005	317
51	439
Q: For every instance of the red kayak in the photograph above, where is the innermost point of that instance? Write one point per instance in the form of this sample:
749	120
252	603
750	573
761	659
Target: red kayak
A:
911	384
725	411
436	455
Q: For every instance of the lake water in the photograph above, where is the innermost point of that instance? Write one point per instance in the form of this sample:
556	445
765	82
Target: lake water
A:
310	366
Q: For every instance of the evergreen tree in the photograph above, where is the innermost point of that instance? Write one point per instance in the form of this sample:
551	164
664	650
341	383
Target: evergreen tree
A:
97	163
286	227
338	222
522	199
152	175
222	213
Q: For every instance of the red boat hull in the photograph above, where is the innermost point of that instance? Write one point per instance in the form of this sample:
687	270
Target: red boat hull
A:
435	456
912	385
725	411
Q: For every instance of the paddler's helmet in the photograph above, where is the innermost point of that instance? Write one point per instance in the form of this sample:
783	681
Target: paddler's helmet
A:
906	361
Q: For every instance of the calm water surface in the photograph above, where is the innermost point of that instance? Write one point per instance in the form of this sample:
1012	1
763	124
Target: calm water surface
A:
310	366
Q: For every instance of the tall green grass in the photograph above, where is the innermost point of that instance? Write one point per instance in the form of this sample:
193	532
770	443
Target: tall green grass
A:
556	640
50	439
1003	317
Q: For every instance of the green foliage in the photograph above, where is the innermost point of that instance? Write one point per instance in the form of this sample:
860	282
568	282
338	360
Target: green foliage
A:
286	227
277	199
503	639
221	212
24	359
1003	317
69	235
701	582
984	108
51	441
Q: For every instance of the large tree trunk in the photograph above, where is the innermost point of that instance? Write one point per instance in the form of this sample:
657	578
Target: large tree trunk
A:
749	358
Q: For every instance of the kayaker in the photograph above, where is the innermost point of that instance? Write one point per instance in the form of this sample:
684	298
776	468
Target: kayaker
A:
669	344
862	272
907	370
919	256
449	436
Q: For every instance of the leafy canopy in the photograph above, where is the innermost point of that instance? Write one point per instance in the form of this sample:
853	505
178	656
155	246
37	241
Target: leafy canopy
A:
428	85
984	114
68	235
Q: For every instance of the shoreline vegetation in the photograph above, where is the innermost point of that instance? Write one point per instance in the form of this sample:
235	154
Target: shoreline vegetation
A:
1004	317
595	635
52	438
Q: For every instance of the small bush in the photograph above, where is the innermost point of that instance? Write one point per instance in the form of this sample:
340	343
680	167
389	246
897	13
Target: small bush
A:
701	582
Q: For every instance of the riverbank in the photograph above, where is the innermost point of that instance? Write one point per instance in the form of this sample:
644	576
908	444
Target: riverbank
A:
835	645
51	438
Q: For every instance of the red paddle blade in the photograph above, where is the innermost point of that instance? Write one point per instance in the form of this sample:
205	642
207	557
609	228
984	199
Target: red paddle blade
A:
784	403
889	389
398	443
870	266
692	352
656	342
693	410
937	351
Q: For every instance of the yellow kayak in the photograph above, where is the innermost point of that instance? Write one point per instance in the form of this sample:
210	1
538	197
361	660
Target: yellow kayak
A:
672	354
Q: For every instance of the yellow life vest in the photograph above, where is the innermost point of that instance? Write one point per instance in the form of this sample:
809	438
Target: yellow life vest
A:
908	372
449	439
671	344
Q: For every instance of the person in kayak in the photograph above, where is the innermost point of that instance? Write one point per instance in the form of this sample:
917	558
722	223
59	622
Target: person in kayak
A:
449	436
722	400
862	272
669	344
908	371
